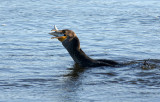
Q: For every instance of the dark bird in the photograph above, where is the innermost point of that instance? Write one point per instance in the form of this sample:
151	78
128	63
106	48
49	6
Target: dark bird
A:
71	42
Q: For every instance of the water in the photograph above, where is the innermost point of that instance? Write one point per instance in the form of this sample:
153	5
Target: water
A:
35	68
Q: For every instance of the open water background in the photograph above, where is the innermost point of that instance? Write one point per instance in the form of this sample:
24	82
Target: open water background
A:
35	68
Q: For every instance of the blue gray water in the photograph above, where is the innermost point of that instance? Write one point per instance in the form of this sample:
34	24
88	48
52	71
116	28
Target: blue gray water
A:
35	68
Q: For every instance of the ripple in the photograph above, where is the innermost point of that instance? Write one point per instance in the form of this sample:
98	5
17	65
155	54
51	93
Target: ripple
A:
9	85
34	68
108	74
145	74
37	80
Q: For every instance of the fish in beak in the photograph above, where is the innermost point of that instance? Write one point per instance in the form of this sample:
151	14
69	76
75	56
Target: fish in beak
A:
58	34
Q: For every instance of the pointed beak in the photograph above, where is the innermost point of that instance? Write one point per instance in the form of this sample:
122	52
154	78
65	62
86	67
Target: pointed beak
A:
58	34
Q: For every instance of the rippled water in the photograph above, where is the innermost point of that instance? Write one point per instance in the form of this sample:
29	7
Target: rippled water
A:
35	68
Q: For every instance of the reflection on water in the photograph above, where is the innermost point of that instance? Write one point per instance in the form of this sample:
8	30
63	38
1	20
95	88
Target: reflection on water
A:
75	71
35	68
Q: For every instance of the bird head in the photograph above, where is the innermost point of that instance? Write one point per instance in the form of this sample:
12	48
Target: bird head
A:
62	35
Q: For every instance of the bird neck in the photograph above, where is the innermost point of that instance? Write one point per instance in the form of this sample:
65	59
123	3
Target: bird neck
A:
73	47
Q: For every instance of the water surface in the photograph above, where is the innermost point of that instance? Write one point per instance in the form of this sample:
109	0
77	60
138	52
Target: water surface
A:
35	68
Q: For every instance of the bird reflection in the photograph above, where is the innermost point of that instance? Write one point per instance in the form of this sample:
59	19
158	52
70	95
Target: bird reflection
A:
72	84
76	71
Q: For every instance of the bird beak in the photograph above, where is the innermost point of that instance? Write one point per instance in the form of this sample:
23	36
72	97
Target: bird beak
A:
58	34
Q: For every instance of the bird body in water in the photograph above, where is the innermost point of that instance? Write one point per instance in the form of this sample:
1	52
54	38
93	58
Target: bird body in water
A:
72	44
